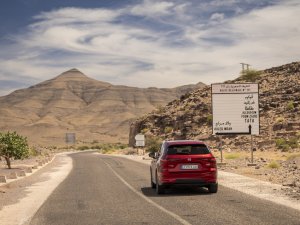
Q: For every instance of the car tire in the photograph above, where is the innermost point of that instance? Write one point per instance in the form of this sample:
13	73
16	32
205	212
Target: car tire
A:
213	188
159	188
153	185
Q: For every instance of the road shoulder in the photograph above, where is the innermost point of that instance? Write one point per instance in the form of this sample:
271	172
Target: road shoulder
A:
254	187
24	197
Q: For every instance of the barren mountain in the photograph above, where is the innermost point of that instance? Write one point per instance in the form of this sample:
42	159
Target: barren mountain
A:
190	116
73	102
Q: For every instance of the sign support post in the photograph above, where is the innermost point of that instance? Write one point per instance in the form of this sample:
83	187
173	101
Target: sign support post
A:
221	150
252	154
251	149
222	163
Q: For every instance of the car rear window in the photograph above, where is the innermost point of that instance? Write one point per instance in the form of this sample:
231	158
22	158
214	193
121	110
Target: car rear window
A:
194	149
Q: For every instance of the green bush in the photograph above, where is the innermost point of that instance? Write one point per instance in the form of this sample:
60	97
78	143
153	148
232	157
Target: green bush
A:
83	147
279	142
250	75
293	142
145	130
122	146
107	151
279	120
109	147
153	144
34	152
209	119
282	144
290	105
14	146
273	165
96	147
168	130
285	145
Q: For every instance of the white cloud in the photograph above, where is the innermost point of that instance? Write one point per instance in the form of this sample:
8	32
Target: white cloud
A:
171	44
217	16
70	14
152	8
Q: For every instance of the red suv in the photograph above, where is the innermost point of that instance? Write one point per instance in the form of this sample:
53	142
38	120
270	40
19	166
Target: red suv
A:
183	162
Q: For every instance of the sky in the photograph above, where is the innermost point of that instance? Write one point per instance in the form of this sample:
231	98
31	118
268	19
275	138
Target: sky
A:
144	43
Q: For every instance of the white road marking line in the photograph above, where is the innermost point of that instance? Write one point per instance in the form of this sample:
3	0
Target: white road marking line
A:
175	216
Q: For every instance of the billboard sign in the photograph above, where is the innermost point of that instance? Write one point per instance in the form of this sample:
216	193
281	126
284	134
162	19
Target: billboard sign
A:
70	138
235	108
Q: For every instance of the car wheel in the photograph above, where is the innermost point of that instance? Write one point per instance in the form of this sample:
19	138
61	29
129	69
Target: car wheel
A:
213	188
159	188
153	185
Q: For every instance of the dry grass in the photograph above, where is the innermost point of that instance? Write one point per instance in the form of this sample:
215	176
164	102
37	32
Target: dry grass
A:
108	151
268	155
273	165
293	156
233	155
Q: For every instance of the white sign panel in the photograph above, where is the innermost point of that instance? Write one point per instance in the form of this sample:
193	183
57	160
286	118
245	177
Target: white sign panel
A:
70	138
140	143
235	108
139	140
139	137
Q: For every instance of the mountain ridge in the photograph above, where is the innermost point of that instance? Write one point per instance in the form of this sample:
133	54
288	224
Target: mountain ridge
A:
74	102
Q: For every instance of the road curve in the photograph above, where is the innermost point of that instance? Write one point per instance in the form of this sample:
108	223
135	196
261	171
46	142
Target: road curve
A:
109	190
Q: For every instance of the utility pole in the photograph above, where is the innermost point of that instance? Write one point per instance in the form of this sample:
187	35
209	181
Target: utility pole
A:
243	66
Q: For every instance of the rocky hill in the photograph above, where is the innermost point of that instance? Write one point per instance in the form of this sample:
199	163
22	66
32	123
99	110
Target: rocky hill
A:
73	102
190	116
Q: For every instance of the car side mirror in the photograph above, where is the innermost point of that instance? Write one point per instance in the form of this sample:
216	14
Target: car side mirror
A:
156	155
152	155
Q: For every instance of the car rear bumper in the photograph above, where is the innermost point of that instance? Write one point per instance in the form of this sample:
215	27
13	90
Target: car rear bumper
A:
191	177
180	181
190	181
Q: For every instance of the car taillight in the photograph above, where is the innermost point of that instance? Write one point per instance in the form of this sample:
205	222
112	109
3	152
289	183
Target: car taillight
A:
211	163
164	165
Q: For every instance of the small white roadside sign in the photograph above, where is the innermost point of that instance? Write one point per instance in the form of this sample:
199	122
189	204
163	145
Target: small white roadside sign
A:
235	108
139	140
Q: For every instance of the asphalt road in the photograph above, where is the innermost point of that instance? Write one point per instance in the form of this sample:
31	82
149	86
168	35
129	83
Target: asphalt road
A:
110	190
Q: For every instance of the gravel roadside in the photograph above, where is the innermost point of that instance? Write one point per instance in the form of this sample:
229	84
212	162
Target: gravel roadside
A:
22	168
19	200
285	173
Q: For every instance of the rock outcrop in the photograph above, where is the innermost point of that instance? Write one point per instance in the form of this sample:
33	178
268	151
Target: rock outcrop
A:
190	116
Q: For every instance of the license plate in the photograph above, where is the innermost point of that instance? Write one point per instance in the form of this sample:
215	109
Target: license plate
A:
189	167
